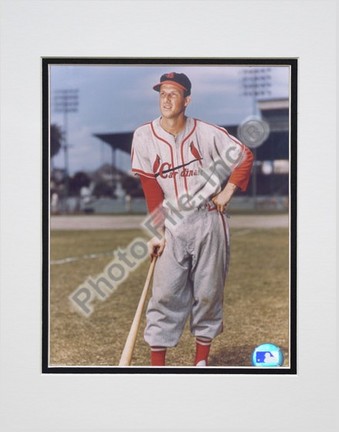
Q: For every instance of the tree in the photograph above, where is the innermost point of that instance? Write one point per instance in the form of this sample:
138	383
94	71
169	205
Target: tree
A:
102	189
55	139
132	186
76	182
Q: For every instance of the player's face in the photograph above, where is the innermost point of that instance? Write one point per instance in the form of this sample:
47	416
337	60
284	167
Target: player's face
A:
172	101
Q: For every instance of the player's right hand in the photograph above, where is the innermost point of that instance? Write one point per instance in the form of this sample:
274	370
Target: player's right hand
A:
156	246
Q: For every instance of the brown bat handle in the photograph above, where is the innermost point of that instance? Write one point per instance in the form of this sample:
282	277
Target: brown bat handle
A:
126	356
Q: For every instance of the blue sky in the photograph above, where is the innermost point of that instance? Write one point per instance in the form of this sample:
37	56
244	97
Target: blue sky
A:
119	98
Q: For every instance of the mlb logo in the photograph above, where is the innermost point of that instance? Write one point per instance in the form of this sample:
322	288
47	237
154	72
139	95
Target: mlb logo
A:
267	355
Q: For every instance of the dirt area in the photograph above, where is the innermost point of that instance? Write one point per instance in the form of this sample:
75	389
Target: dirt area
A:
96	222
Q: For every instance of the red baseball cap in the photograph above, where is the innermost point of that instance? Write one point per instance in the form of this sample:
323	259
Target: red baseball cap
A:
179	79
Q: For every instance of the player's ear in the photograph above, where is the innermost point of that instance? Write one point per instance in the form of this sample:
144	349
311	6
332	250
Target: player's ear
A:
187	100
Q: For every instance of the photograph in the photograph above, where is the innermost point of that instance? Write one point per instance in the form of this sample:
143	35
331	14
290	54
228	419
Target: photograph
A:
167	253
168	225
169	215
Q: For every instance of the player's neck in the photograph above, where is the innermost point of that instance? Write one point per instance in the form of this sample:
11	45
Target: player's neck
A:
173	126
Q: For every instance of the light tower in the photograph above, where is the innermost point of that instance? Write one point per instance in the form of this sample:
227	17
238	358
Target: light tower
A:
256	82
65	102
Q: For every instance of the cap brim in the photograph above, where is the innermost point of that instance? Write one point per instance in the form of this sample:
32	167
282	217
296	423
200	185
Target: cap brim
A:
157	86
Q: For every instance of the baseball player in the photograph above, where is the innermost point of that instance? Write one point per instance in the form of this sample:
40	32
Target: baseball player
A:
190	169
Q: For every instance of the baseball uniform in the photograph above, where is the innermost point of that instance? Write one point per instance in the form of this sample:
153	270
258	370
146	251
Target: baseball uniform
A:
190	275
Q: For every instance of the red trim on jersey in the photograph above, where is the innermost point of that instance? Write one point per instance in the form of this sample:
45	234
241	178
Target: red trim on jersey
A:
182	151
143	173
172	158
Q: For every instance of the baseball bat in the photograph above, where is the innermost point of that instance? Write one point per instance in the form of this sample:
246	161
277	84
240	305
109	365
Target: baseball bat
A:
126	356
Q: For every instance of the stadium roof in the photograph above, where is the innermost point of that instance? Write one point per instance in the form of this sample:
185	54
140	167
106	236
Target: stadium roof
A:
121	141
275	147
270	108
273	104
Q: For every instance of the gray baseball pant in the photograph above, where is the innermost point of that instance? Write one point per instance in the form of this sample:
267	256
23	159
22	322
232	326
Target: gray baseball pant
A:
189	279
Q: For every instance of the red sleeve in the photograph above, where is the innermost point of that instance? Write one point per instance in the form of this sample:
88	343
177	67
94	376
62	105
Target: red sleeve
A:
241	174
154	195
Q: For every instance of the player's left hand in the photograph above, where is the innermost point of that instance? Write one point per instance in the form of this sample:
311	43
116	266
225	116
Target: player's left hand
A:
222	199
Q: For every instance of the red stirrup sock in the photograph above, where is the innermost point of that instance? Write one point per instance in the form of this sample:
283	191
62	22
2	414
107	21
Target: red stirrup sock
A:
158	355
203	346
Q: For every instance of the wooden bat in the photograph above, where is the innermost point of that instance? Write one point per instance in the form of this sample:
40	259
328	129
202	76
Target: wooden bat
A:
126	356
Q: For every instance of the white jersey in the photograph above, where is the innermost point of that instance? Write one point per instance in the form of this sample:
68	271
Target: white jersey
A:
195	164
190	274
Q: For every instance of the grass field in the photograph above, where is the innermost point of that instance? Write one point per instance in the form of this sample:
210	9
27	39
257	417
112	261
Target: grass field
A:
256	303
